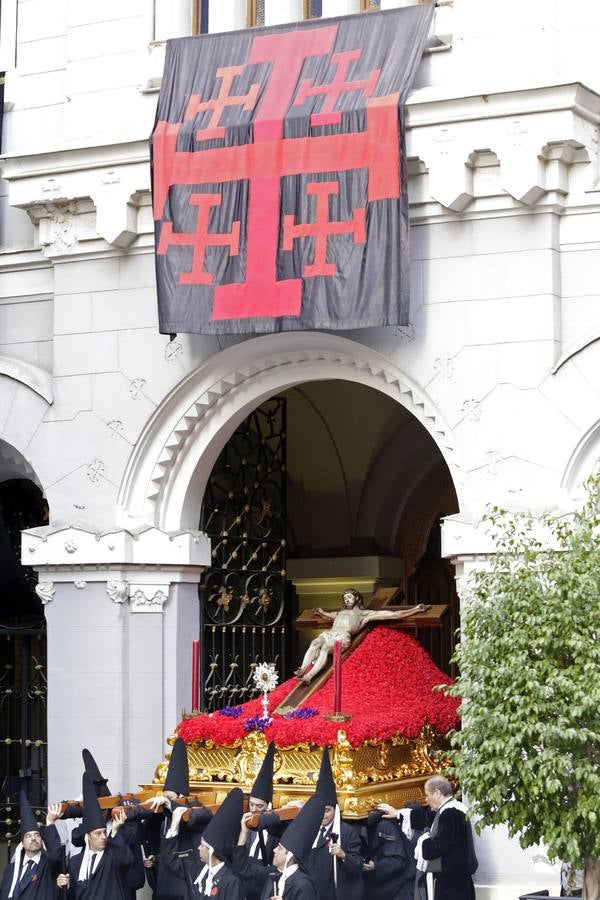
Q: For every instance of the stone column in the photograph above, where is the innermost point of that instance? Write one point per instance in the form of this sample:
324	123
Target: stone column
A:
121	612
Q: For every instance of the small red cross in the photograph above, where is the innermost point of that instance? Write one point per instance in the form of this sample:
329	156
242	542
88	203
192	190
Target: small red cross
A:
322	228
224	98
200	239
338	86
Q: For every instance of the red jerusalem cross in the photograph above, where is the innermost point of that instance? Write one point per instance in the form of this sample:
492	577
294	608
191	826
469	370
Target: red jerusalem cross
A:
322	228
248	101
338	86
200	240
268	158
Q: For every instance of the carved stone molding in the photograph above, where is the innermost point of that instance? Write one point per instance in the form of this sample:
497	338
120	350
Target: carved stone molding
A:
166	458
118	591
36	378
86	197
45	591
148	598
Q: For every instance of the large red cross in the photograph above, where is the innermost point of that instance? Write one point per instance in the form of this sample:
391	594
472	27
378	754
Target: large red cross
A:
224	98
338	86
269	158
200	240
322	228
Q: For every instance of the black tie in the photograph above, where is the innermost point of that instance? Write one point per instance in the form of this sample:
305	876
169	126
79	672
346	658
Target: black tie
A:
322	834
91	867
28	867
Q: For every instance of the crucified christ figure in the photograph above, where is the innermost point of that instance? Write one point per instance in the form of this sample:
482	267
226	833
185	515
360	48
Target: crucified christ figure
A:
345	623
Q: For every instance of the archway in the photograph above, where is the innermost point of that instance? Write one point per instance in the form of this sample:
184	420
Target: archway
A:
22	643
326	485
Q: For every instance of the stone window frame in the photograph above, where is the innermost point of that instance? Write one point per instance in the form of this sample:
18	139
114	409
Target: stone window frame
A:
8	35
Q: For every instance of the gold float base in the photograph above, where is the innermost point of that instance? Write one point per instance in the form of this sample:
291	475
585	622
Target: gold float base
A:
392	771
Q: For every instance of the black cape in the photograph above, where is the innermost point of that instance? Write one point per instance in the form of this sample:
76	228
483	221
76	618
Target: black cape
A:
225	886
298	886
109	881
252	871
393	855
168	878
452	843
349	872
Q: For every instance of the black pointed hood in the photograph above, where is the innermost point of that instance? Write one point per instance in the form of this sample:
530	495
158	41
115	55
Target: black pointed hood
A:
223	829
178	775
28	820
262	788
326	784
93	816
91	767
300	834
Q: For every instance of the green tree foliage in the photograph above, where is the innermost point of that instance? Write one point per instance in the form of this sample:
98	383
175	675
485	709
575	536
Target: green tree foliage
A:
528	754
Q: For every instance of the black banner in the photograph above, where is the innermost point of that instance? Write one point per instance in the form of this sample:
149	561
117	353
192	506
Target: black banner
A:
279	176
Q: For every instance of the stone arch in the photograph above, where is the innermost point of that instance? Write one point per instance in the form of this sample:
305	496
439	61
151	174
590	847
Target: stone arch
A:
164	481
14	465
583	461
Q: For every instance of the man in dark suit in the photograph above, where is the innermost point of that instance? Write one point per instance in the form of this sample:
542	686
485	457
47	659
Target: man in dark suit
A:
256	846
100	872
336	861
446	850
32	871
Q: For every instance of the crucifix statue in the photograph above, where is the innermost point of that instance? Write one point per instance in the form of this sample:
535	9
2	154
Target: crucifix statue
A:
346	622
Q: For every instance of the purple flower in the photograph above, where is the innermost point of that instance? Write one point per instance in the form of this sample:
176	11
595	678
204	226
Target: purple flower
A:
257	723
307	713
234	712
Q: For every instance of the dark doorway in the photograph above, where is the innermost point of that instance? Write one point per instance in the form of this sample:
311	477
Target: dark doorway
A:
329	477
22	659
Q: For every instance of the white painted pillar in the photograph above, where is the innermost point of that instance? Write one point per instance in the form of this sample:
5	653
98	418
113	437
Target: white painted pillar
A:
121	612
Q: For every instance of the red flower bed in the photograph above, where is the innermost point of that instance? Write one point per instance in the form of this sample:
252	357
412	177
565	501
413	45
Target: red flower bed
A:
388	686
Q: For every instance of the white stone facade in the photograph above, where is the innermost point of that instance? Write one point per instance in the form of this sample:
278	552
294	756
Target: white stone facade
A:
120	428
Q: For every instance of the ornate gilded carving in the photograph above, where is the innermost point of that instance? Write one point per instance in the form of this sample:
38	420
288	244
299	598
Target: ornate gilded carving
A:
391	771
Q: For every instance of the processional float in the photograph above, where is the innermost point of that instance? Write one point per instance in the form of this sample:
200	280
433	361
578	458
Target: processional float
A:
389	736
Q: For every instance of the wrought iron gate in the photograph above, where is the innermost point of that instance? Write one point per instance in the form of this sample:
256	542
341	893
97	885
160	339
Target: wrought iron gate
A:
243	610
22	724
22	662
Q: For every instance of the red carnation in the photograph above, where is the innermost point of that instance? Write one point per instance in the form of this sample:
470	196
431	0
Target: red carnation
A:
396	698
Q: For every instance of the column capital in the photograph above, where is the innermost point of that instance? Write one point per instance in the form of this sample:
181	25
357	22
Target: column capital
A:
464	537
136	566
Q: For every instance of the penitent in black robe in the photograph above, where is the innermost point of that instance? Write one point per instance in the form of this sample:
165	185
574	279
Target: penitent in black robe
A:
109	881
251	870
225	885
393	855
40	883
452	843
298	886
349	872
173	871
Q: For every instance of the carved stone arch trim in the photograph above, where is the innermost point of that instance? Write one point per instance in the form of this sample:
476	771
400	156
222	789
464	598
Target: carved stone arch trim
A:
14	465
424	506
583	462
164	481
34	377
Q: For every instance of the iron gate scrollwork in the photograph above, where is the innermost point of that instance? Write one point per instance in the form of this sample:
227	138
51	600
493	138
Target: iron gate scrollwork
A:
23	689
244	614
23	693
